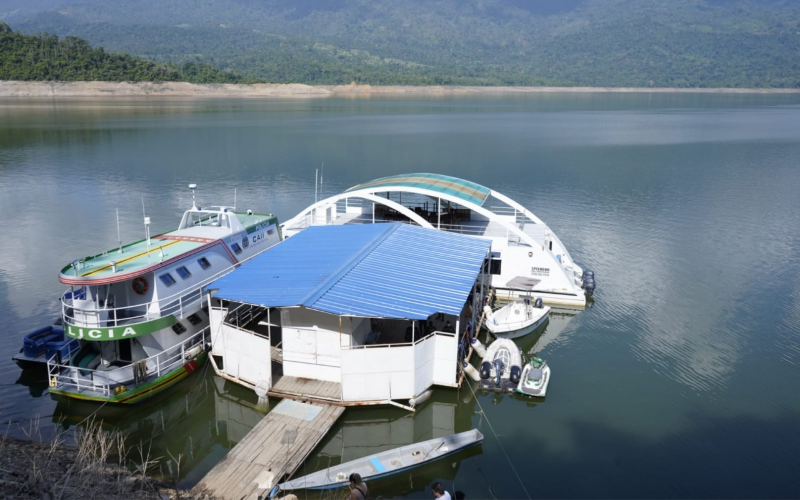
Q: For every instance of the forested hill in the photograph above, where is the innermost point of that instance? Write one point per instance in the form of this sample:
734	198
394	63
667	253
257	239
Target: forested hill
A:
642	43
45	57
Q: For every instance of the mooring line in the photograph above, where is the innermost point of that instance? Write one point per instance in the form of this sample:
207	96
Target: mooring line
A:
491	427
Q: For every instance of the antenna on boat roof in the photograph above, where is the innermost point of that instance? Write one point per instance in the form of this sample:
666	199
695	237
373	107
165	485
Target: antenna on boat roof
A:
193	187
316	178
234	200
321	175
119	238
146	230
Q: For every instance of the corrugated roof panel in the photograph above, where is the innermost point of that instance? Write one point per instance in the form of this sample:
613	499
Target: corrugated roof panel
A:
384	270
287	274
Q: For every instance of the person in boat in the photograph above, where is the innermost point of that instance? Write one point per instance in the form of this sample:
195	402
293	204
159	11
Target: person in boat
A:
439	491
448	328
358	488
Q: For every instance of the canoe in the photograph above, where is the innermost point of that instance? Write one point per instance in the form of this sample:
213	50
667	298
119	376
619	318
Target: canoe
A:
384	463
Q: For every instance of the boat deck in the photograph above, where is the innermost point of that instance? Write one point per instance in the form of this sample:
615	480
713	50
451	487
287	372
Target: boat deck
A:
138	255
279	444
306	389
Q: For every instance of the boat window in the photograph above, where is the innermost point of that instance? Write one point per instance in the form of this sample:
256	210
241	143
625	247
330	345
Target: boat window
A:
178	328
183	272
167	279
194	319
236	248
204	263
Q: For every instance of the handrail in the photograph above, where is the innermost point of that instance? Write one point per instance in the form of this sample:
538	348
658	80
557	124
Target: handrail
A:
251	332
173	303
83	378
400	344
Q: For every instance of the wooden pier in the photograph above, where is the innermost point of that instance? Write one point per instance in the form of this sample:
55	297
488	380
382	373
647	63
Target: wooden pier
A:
277	445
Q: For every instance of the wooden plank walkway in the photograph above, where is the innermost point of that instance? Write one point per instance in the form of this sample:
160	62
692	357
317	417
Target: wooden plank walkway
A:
306	389
279	444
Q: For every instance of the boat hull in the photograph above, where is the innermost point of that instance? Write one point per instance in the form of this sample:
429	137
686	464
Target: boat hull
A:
508	352
142	391
536	391
385	463
539	317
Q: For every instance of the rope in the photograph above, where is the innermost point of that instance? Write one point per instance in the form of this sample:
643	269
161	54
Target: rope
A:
491	427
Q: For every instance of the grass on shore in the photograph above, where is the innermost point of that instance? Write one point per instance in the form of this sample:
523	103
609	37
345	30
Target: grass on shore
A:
94	468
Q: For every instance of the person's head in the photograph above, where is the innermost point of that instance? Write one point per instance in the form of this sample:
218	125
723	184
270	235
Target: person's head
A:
460	495
448	324
355	479
438	489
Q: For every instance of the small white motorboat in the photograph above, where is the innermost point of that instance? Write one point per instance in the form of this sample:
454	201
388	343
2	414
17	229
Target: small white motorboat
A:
535	378
516	319
501	367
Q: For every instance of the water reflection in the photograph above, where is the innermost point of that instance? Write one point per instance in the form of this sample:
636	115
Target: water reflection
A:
684	205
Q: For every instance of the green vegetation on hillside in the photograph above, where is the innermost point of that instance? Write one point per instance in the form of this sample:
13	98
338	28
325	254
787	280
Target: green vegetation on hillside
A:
641	43
45	57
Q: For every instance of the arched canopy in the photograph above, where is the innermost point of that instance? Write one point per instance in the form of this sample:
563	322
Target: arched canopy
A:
469	192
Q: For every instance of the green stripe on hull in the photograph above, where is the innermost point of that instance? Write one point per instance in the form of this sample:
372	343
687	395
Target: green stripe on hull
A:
101	334
144	391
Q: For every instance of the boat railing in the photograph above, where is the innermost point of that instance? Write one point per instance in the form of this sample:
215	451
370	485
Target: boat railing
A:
177	304
64	376
427	336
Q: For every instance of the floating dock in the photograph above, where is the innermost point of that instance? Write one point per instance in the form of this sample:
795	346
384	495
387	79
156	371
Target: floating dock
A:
276	446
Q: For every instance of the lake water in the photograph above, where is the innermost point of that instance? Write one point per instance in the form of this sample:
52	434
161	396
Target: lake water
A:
681	379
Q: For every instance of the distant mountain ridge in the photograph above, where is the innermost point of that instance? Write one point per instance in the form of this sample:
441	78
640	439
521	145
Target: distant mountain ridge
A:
640	43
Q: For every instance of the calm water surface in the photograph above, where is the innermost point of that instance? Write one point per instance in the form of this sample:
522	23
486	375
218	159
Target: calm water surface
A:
681	379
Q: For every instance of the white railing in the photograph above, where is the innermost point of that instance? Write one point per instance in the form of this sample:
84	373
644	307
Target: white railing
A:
417	340
174	304
105	381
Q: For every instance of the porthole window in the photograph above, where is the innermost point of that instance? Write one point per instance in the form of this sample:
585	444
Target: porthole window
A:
236	248
183	272
178	328
194	319
167	279
204	263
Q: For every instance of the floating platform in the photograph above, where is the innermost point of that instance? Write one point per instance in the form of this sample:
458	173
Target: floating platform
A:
276	446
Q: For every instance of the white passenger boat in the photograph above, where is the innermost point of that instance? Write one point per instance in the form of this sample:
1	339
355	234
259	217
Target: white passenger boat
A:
516	319
135	318
501	367
528	259
384	463
535	378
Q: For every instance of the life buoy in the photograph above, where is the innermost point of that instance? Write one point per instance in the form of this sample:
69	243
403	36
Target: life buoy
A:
140	285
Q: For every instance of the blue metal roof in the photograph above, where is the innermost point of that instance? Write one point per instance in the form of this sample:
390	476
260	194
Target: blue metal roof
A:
466	190
370	270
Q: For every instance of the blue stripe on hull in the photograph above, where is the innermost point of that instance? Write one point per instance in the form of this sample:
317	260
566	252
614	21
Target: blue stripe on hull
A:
379	476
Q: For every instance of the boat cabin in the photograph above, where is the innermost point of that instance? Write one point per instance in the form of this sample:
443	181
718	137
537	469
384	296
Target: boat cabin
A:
362	314
528	259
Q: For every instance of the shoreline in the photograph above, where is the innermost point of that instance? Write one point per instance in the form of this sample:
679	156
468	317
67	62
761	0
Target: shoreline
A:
24	89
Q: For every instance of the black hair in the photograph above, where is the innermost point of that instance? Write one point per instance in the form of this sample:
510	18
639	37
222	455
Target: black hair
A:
355	478
438	487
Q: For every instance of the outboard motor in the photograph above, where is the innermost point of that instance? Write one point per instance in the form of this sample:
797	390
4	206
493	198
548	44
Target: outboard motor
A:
486	369
516	372
588	274
498	371
538	304
588	286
